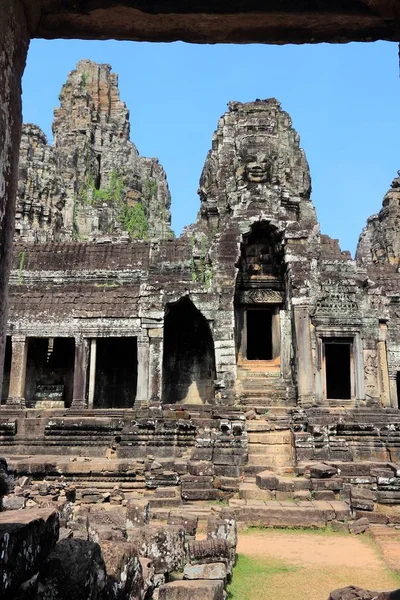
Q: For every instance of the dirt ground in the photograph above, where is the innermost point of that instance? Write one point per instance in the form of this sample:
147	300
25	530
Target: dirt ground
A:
307	565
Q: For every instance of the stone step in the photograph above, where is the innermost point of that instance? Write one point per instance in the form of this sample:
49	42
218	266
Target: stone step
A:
270	437
268	480
163	502
260	401
250	491
271	450
314	514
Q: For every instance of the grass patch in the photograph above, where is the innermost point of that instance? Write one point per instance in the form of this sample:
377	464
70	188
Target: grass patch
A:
251	575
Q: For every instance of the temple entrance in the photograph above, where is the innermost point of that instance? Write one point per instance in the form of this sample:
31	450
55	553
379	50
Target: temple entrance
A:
338	358
189	359
260	296
50	372
7	370
116	372
259	335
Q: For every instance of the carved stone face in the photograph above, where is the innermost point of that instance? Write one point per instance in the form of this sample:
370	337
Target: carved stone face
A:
255	166
258	169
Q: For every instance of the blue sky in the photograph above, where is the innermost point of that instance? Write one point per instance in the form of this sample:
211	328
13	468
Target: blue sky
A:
343	99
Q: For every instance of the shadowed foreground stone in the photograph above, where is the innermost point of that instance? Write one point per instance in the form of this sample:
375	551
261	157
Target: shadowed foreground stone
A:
26	539
75	570
195	590
124	570
355	593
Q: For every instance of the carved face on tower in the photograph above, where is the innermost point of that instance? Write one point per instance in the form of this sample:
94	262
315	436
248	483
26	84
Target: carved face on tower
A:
255	166
255	163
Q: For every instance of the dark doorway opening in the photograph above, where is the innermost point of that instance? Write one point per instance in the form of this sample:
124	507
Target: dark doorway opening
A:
50	372
189	359
338	370
7	371
259	335
116	372
398	388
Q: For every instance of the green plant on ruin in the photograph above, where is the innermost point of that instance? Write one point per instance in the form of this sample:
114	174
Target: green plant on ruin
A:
21	266
84	80
75	226
201	270
149	188
112	194
133	220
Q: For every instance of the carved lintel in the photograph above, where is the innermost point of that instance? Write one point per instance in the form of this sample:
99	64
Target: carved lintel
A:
263	297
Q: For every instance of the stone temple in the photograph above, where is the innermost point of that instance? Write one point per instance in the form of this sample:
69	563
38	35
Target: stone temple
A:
249	348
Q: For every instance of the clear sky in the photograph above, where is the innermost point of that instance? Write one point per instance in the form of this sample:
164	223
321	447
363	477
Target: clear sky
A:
343	99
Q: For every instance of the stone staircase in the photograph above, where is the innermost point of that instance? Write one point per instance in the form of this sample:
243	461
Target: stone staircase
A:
270	445
262	386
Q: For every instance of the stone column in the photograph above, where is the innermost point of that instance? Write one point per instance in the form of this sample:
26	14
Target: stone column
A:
359	370
155	364
16	393
304	358
143	356
92	371
383	368
80	373
14	42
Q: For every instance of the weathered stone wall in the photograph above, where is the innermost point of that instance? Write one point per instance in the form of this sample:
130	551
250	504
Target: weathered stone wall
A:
14	41
92	183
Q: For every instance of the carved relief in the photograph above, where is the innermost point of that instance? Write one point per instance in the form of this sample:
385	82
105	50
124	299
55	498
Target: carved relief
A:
263	297
334	303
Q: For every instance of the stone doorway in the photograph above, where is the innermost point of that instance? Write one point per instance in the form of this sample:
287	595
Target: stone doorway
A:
116	372
49	372
339	371
189	359
261	337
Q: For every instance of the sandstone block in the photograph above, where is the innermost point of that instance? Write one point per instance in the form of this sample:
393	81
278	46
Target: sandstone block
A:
201	468
359	526
26	538
74	570
163	545
137	513
124	570
186	521
195	590
322	471
208	571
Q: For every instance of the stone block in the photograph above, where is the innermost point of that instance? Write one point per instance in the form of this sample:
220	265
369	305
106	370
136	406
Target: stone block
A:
164	545
359	526
124	570
322	471
26	539
208	571
324	495
13	502
195	590
267	481
186	521
137	513
362	498
200	494
201	468
75	569
227	470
